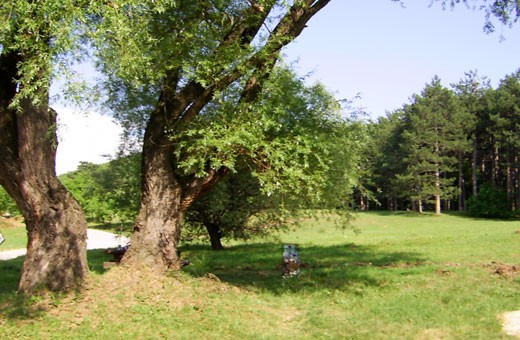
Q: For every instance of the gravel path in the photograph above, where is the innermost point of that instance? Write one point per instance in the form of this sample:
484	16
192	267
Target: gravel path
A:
96	239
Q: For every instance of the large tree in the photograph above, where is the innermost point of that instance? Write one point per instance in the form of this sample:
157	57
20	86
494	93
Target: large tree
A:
471	91
506	129
189	56
34	36
433	134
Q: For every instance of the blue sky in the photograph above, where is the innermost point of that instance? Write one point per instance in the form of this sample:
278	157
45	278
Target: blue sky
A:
386	52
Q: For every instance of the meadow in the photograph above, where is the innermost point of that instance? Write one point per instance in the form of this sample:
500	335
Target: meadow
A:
403	276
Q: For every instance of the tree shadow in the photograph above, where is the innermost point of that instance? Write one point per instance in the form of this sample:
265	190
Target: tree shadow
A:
18	306
400	213
10	272
336	267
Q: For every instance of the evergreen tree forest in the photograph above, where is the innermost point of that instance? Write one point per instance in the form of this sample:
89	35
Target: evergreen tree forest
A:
450	148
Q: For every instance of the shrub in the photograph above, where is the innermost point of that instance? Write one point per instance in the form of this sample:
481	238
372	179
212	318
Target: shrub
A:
490	203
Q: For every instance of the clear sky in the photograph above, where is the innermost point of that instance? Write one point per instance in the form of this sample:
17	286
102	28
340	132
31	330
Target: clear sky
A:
374	48
386	52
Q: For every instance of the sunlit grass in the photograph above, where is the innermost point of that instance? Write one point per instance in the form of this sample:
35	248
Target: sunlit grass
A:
404	276
14	233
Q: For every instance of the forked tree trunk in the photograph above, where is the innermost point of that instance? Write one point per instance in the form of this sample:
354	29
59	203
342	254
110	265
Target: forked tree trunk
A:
166	196
57	230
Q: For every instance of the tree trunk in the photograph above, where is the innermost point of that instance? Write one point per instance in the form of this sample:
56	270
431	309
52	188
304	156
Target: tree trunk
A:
418	206
165	198
215	236
57	230
474	167
157	230
510	179
56	250
437	193
495	166
437	205
462	193
517	185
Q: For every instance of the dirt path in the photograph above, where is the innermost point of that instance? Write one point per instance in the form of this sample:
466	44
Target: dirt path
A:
97	239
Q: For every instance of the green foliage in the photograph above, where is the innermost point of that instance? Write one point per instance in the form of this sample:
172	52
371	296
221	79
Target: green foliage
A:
433	131
294	141
293	152
107	192
7	204
490	203
236	208
442	138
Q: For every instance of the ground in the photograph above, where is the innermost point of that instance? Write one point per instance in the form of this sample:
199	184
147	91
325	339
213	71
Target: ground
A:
97	239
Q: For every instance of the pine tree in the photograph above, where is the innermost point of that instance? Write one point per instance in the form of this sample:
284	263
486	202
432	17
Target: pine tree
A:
431	138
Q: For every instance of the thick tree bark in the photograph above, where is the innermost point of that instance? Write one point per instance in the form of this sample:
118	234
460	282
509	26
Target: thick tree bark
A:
157	230
57	230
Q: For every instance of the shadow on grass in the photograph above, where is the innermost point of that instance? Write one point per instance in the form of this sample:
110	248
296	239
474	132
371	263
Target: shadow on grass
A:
256	266
323	267
400	213
17	306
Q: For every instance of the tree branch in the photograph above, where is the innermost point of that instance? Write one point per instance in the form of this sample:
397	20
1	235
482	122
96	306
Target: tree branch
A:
198	186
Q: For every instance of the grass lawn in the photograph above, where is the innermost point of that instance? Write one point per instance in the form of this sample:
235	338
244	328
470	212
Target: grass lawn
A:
14	232
404	276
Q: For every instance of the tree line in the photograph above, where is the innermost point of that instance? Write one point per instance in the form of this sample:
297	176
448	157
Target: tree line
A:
454	148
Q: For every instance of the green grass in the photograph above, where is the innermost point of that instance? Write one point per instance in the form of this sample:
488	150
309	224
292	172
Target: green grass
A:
14	233
404	276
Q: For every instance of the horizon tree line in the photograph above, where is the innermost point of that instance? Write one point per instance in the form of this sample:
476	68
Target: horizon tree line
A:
446	146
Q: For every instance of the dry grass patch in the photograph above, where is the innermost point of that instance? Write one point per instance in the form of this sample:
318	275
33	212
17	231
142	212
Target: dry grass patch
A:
11	222
143	303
